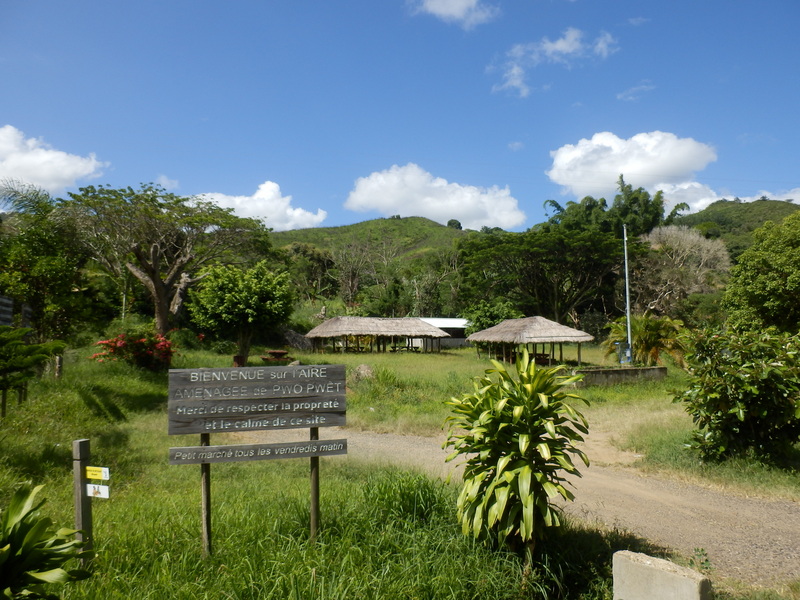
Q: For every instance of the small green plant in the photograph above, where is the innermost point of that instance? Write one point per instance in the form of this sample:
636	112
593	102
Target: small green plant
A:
744	395
31	554
700	561
518	433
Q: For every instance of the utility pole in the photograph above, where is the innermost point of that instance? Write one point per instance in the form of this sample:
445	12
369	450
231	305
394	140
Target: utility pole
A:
628	350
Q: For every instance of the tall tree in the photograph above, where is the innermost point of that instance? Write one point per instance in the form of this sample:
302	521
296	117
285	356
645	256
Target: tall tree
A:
765	284
680	262
167	242
41	261
635	208
548	271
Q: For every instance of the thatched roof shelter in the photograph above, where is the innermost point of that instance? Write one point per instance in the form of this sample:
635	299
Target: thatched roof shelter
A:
531	330
382	334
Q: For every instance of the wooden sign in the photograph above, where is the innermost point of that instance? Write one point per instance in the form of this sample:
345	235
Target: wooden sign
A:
193	455
256	398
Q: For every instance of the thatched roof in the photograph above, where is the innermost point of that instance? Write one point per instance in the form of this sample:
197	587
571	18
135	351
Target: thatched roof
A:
530	330
409	327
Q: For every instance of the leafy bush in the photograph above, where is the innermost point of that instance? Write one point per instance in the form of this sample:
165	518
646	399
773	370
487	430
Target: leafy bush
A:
518	433
31	554
651	337
486	314
150	350
744	394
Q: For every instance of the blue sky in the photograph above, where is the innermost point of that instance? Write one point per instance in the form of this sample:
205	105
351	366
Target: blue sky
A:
323	113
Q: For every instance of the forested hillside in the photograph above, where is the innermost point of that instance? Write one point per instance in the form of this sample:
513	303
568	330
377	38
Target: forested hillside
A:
734	221
410	236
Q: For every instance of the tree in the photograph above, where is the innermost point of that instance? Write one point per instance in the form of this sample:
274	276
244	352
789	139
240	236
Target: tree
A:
454	223
639	211
311	269
680	262
487	314
352	260
166	242
546	271
41	261
19	360
242	302
635	208
765	284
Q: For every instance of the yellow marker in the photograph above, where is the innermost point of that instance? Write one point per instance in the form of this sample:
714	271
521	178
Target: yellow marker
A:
98	473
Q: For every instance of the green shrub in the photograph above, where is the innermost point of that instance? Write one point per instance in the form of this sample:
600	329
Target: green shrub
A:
744	395
31	554
651	337
518	433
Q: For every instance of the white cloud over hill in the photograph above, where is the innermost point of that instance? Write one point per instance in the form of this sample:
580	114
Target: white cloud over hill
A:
269	204
411	191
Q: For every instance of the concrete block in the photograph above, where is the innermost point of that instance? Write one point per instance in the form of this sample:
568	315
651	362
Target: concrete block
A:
641	577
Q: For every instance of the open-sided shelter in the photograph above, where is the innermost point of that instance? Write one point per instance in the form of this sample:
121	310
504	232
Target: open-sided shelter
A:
375	334
504	338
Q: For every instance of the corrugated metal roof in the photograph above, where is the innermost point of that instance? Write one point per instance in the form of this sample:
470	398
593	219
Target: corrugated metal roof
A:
445	323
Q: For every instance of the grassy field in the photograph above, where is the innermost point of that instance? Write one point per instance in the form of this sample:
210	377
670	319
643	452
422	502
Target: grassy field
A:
384	533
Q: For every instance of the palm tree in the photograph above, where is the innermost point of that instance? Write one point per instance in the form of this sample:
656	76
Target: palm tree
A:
650	336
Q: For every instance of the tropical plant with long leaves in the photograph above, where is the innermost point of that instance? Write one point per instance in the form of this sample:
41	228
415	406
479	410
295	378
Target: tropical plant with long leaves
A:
651	337
518	432
32	555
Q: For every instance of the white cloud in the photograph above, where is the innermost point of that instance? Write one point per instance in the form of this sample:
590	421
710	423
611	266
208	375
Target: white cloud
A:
605	45
699	196
467	13
592	166
167	183
35	162
268	204
568	50
412	191
516	146
635	92
696	195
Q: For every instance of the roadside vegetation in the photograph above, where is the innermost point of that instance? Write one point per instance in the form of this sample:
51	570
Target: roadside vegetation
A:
384	533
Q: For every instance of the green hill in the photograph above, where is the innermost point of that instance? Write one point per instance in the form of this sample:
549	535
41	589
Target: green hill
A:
734	221
411	236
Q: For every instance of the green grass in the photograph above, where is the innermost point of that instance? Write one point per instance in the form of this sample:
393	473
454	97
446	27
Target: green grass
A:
385	533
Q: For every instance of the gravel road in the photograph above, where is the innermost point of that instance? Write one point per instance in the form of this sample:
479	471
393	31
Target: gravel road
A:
749	540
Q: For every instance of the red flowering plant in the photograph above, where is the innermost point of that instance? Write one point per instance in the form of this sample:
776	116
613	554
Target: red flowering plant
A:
150	351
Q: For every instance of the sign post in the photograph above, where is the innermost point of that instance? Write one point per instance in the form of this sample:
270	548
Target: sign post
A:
84	491
242	399
83	501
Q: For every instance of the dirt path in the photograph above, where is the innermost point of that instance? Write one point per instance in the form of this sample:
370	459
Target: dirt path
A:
750	540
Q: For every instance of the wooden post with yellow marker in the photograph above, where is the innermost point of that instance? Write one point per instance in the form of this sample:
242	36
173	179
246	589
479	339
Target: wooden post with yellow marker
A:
85	490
